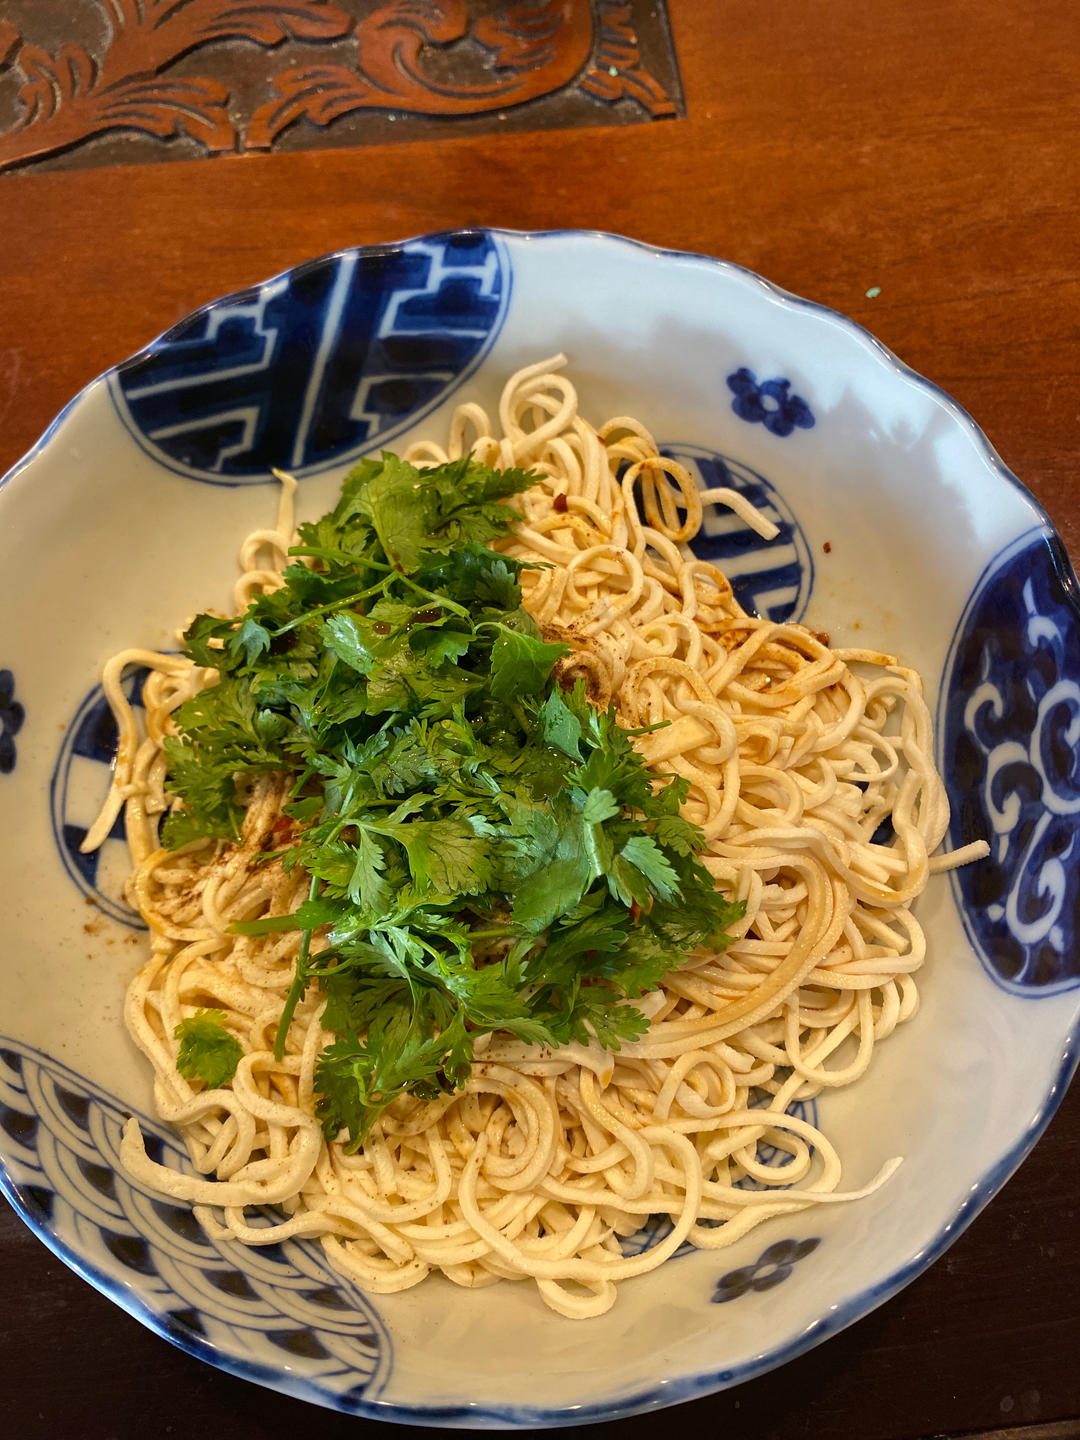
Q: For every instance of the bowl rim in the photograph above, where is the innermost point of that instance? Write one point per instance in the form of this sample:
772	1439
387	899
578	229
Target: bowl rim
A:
680	1389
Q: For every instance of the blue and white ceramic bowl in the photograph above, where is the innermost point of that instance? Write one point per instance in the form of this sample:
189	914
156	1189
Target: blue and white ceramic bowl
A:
900	528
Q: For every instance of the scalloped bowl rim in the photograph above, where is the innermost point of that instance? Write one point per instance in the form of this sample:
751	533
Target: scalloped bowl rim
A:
681	1389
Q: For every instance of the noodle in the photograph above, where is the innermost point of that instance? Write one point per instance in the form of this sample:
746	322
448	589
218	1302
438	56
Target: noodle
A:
795	755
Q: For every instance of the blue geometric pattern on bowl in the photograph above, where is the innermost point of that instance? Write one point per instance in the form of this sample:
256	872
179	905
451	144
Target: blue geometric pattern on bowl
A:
278	1307
770	578
319	365
771	1268
12	716
1011	741
769	403
80	781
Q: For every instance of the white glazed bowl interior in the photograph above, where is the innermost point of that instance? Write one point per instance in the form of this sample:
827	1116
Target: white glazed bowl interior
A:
126	519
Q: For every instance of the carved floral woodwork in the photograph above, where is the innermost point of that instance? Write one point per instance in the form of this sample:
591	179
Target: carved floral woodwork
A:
156	69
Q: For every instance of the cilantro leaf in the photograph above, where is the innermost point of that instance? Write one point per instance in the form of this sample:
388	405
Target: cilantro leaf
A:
250	638
207	1051
561	727
521	664
551	890
599	805
367	886
446	856
646	856
345	640
675	833
389	502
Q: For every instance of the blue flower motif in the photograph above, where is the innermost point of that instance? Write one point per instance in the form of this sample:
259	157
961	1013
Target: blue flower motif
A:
774	1265
769	402
12	716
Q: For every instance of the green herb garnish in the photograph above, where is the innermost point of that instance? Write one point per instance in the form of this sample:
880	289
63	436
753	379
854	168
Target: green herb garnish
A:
207	1050
486	852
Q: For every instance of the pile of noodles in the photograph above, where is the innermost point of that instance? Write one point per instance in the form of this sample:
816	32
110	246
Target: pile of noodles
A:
795	754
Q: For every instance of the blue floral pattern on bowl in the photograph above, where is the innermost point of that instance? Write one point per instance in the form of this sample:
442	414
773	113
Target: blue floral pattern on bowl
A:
770	578
319	365
773	1266
768	402
268	1313
12	716
1011	741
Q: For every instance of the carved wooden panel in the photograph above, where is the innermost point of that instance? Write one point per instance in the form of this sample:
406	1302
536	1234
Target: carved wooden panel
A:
96	82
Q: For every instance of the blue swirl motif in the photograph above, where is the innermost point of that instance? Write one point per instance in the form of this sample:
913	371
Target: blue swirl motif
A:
1011	741
260	1312
770	578
319	365
12	716
769	403
79	785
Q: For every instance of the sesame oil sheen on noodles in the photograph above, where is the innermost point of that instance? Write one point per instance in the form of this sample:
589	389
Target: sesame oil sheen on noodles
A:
507	883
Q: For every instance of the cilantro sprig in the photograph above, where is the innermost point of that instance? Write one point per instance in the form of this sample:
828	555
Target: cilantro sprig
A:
486	852
207	1051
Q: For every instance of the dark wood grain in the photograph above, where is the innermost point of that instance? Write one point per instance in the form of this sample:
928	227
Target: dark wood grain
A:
930	150
1054	1430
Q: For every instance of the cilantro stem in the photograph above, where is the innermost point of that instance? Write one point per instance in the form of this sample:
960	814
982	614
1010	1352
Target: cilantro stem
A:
332	605
440	600
320	552
518	712
299	984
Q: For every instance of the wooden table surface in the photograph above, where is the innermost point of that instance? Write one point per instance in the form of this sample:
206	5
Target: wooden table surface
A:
928	151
